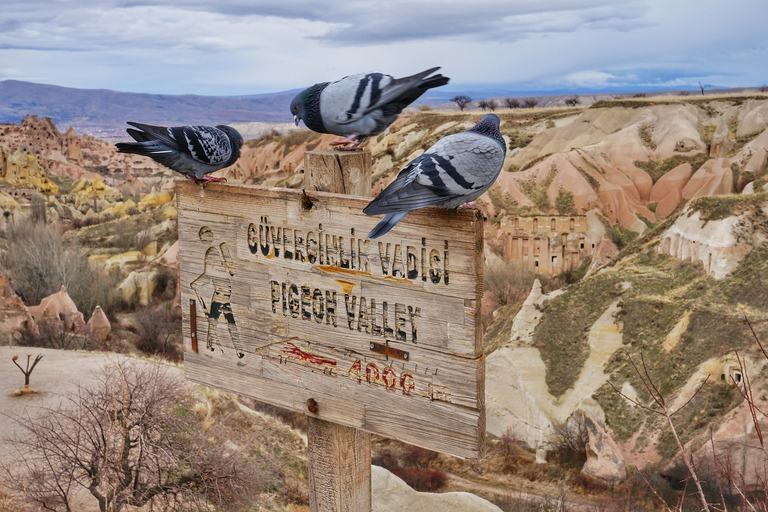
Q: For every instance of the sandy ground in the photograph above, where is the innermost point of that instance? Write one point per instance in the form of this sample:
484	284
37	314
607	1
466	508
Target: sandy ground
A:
58	372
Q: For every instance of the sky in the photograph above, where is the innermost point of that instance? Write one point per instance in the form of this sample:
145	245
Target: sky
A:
239	47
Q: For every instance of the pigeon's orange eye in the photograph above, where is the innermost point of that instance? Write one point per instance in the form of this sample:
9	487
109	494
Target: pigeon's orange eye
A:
295	107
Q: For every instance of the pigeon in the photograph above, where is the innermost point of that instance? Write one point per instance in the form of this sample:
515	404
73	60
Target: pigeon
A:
359	106
194	151
456	170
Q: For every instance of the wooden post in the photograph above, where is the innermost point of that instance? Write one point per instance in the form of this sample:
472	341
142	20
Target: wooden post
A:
339	456
338	172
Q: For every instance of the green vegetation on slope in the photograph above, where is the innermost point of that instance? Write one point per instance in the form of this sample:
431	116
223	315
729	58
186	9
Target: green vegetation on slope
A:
658	168
561	337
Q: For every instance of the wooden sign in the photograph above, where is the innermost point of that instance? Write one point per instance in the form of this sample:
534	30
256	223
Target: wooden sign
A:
287	301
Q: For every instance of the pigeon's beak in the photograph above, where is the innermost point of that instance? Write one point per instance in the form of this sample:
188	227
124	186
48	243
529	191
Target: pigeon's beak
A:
296	120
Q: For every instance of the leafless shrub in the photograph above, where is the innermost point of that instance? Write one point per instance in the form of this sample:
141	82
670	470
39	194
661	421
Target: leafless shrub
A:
662	408
492	105
572	101
159	333
512	102
52	332
530	102
38	262
508	281
569	440
424	108
131	441
461	101
483	104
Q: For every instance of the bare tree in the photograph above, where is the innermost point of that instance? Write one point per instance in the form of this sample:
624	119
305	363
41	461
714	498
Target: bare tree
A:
512	102
702	87
483	104
572	101
530	102
663	409
492	105
461	101
126	442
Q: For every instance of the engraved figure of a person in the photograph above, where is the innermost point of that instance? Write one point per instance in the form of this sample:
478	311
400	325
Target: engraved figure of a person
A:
217	273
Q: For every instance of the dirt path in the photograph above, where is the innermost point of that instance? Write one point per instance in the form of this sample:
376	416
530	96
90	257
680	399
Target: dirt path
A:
510	496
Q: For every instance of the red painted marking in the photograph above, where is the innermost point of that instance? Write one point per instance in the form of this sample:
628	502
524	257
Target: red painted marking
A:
356	370
306	356
371	372
390	377
407	383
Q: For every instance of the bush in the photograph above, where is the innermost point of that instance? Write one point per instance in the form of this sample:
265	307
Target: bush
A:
569	441
508	281
51	333
158	333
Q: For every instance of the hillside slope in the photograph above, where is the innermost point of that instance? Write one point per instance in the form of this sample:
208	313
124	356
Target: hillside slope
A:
654	305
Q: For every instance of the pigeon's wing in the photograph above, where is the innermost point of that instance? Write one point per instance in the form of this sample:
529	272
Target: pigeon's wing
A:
347	100
205	144
457	169
397	88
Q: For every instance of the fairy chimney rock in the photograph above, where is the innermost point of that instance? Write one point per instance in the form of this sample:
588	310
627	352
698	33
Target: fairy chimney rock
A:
99	325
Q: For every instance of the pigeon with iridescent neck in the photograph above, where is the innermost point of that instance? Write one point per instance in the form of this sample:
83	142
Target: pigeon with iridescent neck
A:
456	170
359	106
193	151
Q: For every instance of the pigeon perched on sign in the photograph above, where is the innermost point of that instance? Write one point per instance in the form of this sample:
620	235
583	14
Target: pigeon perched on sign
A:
359	106
194	151
457	169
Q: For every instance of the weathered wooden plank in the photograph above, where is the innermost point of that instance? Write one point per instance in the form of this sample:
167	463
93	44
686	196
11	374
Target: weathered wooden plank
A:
291	315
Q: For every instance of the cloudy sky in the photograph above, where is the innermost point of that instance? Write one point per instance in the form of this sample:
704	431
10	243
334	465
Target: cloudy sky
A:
233	47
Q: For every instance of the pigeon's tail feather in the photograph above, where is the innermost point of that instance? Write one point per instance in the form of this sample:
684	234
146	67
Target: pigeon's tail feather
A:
131	147
151	132
155	150
138	135
433	81
387	223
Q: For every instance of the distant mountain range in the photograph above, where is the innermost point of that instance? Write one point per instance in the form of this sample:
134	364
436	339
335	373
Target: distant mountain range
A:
103	113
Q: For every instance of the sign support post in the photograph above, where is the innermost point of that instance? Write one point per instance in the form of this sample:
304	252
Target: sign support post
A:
339	456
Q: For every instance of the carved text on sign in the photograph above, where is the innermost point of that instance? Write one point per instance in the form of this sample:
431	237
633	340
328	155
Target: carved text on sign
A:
425	261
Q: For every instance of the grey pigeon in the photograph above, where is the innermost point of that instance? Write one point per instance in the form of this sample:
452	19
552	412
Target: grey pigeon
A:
362	105
194	151
457	169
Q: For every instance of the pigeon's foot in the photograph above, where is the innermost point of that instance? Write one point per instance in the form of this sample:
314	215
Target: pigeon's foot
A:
205	180
469	206
351	143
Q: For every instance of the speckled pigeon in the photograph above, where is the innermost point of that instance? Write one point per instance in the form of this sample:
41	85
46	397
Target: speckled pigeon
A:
457	169
194	151
359	106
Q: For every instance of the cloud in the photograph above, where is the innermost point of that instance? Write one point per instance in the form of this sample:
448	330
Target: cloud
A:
243	47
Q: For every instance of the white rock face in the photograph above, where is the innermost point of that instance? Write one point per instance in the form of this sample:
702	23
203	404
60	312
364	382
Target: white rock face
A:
604	459
517	398
712	243
389	493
